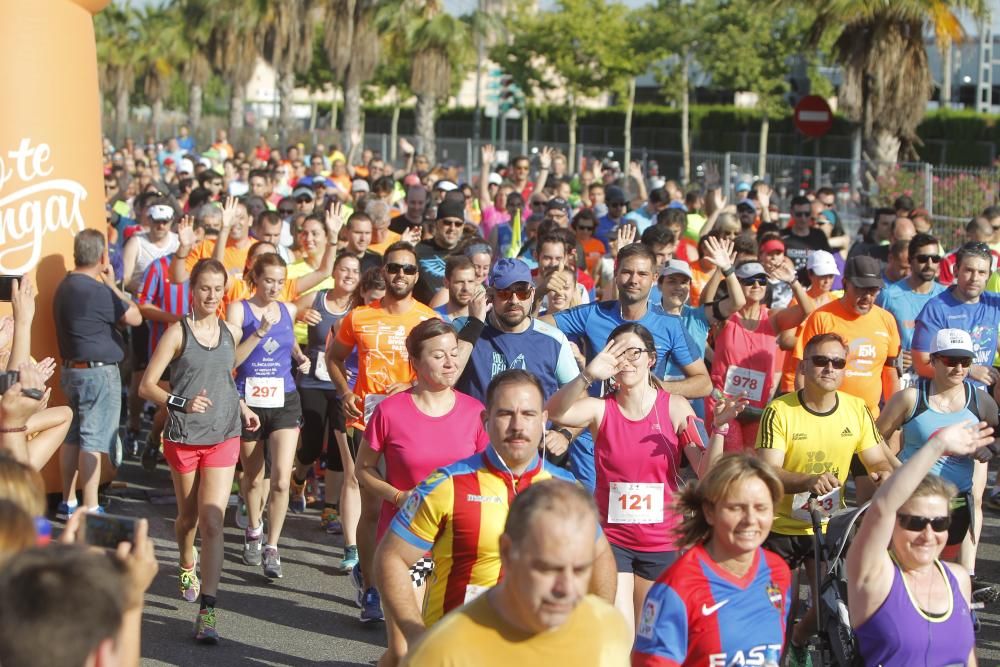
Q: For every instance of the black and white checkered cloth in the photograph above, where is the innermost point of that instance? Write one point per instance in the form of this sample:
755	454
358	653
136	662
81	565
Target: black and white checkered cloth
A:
421	570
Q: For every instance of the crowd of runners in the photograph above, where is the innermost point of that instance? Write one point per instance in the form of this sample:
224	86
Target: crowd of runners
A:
587	417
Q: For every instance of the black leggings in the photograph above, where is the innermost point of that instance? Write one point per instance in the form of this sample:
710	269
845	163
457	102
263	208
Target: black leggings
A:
322	417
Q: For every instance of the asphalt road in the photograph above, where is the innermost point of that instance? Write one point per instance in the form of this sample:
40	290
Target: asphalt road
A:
309	617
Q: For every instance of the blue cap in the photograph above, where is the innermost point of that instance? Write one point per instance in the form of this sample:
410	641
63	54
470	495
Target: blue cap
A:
506	272
677	204
747	202
743	186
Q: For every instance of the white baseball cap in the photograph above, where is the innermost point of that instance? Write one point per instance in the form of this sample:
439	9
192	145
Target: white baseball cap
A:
822	263
676	266
953	343
495	178
186	166
445	186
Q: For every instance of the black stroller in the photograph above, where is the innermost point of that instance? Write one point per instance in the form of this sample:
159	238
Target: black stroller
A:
837	644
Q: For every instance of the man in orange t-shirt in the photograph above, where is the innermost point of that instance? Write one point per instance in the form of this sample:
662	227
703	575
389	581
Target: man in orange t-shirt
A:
379	332
870	332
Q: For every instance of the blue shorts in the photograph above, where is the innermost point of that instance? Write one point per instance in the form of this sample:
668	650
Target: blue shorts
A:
95	396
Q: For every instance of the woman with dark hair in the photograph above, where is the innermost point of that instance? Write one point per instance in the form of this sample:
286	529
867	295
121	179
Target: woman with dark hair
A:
640	434
726	595
907	607
267	384
201	439
417	431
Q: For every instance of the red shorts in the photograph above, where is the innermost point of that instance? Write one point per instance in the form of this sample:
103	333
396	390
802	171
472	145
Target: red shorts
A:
188	458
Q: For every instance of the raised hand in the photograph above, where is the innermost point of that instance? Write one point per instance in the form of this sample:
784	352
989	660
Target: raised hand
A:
964	438
185	232
623	237
635	170
334	221
23	300
405	147
228	213
763	196
719	198
545	158
718	252
487	155
783	272
607	363
726	409
411	235
478	305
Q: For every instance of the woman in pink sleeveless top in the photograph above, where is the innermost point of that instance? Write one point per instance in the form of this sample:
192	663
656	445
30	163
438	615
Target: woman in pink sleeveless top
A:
640	433
744	363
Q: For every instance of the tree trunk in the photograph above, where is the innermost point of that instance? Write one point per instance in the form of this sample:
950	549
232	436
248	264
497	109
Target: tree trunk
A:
194	107
286	91
237	100
524	130
394	128
426	110
334	110
765	125
629	107
156	117
571	158
883	149
352	114
946	64
121	114
686	119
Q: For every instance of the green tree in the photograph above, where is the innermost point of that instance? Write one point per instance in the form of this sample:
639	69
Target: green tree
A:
158	53
887	81
196	68
285	27
117	35
353	49
752	51
234	45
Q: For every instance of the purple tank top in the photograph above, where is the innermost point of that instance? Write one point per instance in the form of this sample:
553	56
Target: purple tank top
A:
272	358
900	635
637	464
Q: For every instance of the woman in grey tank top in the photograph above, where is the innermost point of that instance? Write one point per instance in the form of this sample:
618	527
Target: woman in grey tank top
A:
202	435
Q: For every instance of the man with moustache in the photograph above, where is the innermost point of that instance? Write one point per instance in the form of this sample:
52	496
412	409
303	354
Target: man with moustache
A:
540	608
473	498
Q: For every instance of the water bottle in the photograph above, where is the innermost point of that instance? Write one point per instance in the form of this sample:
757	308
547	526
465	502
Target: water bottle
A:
771	656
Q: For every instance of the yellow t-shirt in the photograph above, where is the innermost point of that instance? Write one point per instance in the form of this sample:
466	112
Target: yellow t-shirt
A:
389	240
814	444
595	634
297	270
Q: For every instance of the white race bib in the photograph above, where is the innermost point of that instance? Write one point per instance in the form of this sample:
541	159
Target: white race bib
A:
322	372
635	502
265	392
472	592
744	381
827	505
372	400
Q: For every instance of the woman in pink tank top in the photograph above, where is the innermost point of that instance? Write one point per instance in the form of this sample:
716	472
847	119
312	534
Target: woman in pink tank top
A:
640	433
744	363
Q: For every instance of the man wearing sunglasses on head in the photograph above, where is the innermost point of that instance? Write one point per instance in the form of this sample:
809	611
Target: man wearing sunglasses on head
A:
906	298
809	437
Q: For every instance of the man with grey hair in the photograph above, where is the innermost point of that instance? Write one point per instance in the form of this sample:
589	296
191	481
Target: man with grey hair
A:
378	212
88	306
208	221
540	608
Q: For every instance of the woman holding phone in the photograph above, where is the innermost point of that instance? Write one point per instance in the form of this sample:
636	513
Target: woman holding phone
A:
202	434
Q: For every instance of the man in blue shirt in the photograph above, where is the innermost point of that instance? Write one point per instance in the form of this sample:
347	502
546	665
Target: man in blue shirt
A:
645	215
906	298
964	305
614	198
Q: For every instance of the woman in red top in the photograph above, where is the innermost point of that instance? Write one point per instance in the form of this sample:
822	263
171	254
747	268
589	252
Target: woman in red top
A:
640	432
744	362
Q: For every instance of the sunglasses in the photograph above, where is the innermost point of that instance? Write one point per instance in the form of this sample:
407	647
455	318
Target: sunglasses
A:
393	268
286	211
819	361
760	281
951	362
506	294
586	228
632	353
451	223
923	259
916	523
801	214
615	203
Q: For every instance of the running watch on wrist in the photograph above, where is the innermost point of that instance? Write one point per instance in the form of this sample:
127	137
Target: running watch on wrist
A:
175	402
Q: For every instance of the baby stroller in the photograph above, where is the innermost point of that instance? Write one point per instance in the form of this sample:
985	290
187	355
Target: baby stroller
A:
837	644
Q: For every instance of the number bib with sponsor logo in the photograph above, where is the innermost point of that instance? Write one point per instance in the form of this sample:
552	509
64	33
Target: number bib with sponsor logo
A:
744	381
265	392
827	505
635	502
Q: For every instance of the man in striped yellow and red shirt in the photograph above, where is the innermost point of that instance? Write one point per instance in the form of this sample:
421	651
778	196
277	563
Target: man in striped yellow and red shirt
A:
459	512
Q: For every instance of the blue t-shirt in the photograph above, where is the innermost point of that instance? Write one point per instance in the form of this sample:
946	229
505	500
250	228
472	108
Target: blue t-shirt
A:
642	218
595	322
457	322
980	319
605	226
905	304
540	349
696	324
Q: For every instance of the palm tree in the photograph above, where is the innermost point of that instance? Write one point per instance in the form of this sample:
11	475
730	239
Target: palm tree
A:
159	54
288	27
196	68
887	80
234	45
115	30
440	46
353	48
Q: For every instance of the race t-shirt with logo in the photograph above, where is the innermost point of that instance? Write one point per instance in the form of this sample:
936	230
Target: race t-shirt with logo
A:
788	362
698	614
540	349
872	338
380	339
798	248
905	305
430	259
980	319
814	443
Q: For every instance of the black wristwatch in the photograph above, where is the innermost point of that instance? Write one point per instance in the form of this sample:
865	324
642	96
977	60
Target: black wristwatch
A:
564	432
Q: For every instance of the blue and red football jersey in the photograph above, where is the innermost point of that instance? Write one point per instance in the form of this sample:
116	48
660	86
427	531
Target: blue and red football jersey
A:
700	615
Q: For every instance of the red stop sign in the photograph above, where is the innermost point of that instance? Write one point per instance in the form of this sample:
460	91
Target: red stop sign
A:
813	116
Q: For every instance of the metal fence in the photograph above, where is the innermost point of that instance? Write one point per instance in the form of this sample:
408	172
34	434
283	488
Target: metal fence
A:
951	194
